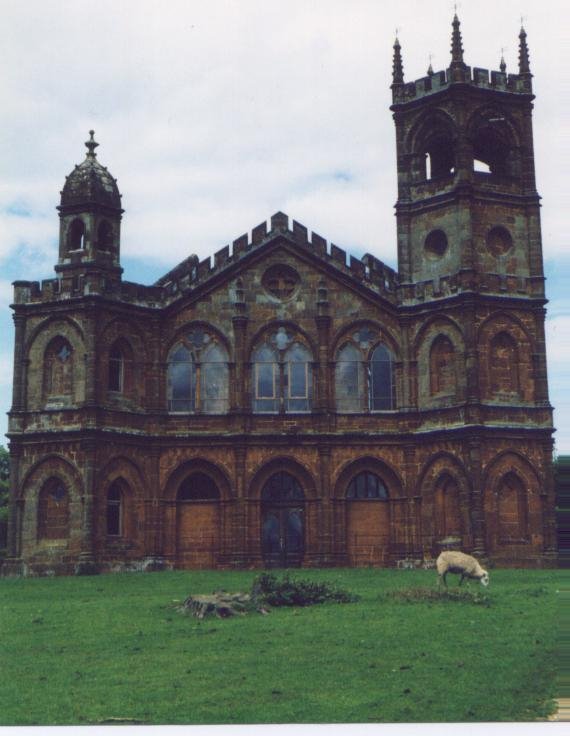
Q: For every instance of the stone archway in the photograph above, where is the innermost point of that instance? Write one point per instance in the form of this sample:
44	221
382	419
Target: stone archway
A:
282	521
197	521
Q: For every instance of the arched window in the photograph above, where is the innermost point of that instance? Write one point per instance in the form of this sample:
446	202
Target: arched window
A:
297	378
512	510
198	376
490	153
349	379
115	510
76	235
53	510
381	379
367	485
58	369
364	374
282	375
503	358
442	367
105	235
198	487
214	381
282	487
181	380
266	380
439	157
116	369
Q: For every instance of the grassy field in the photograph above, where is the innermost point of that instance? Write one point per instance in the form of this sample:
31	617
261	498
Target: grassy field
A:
92	649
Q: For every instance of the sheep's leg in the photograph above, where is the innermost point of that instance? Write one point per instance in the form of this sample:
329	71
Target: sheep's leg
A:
461	579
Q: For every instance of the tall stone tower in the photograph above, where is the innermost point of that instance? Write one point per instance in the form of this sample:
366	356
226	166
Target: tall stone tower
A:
470	256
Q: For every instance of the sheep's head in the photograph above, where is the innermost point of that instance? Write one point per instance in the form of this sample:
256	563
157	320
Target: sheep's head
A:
484	579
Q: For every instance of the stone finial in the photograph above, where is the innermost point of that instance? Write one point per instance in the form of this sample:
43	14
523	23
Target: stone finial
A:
503	64
430	71
397	66
456	46
91	144
524	66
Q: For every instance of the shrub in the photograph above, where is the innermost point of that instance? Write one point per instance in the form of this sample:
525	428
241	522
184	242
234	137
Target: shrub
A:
294	592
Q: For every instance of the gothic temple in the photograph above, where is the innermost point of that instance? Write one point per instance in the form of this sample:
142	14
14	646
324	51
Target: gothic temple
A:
284	404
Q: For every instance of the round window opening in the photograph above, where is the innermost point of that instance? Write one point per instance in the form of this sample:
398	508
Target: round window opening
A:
435	244
281	281
499	241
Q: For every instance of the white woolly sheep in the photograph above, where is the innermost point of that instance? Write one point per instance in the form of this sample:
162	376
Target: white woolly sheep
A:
459	563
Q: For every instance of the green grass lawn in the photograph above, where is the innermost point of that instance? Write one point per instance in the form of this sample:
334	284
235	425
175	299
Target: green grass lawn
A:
89	649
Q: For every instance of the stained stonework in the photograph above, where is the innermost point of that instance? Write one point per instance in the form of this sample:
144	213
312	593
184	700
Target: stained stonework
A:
289	404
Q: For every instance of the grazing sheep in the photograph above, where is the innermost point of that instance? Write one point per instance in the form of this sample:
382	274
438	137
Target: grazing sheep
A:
460	564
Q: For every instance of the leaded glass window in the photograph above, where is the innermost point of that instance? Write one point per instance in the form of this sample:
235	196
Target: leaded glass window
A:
364	375
367	485
198	375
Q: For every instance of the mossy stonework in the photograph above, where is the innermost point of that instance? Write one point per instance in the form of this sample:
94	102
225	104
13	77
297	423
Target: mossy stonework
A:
283	404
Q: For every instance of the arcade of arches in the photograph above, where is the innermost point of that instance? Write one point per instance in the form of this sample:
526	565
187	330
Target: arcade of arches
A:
285	520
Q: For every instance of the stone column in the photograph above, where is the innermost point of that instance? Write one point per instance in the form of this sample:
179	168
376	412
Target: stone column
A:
323	320
539	361
86	564
238	547
19	363
91	379
154	510
474	465
14	531
238	397
326	543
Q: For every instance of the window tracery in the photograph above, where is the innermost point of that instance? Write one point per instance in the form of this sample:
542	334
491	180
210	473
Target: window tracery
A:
282	375
367	485
198	375
364	374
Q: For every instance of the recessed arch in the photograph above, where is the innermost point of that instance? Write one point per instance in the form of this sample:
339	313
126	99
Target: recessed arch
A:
198	465
76	234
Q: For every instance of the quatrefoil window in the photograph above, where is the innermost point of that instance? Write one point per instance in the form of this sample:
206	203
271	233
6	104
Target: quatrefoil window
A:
281	281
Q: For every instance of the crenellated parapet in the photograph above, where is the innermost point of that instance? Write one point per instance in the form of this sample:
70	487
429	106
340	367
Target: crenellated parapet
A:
476	77
191	272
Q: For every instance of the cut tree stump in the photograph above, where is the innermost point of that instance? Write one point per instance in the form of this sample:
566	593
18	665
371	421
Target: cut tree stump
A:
222	605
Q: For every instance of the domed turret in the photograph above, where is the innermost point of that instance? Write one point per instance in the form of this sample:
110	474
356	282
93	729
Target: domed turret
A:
90	183
90	212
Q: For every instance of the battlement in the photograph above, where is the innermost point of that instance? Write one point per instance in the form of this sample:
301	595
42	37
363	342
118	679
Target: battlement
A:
63	289
477	77
192	272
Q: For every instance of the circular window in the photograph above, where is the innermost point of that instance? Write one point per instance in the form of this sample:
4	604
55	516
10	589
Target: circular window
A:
281	281
499	241
435	244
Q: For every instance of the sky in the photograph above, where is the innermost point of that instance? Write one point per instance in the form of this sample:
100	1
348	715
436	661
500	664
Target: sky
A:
214	115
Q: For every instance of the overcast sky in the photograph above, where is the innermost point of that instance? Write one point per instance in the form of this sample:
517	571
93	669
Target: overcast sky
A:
214	115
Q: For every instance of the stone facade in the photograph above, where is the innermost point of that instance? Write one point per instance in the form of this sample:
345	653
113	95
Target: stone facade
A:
284	404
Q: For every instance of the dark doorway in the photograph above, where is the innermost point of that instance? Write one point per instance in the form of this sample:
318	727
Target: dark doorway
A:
282	525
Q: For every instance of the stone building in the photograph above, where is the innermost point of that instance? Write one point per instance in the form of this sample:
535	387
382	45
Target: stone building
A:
284	404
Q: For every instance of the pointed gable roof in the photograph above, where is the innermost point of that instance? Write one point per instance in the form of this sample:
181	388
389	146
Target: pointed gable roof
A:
368	272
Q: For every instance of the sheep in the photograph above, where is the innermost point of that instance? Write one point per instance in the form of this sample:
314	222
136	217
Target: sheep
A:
460	564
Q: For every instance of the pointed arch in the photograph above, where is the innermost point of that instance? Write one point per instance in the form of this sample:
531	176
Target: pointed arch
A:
445	503
442	367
